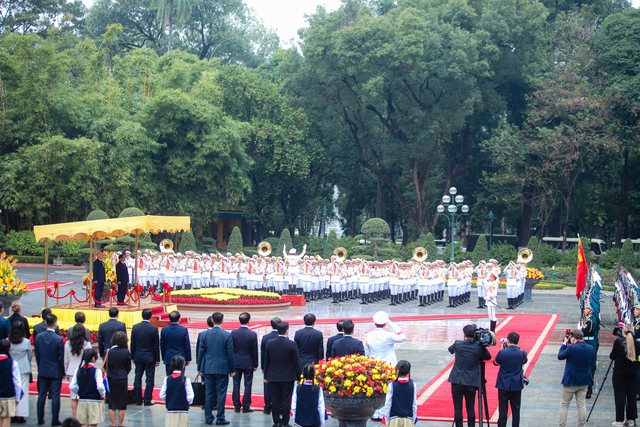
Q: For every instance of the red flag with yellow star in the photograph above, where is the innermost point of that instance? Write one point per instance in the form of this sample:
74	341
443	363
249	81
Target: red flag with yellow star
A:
581	273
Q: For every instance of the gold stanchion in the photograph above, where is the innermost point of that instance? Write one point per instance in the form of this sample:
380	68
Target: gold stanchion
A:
70	297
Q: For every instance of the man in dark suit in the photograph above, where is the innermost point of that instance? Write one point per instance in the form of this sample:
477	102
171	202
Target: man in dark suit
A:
336	337
263	346
577	375
245	347
80	318
510	381
107	329
281	371
98	279
122	277
310	341
174	341
50	359
348	344
464	377
42	326
209	326
216	364
145	353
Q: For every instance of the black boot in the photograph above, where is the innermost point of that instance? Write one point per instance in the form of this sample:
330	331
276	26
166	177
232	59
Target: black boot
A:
393	300
492	325
479	302
335	298
364	298
589	391
451	302
510	302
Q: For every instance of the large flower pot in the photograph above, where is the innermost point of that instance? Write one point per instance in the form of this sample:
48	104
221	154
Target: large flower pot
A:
528	286
355	410
7	300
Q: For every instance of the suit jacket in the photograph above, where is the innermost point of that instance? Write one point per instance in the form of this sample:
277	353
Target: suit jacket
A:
5	327
41	327
577	370
198	345
216	355
510	375
118	363
98	271
15	317
87	334
281	360
145	342
263	345
332	340
245	346
122	273
174	340
468	354
49	355
106	331
347	345
310	345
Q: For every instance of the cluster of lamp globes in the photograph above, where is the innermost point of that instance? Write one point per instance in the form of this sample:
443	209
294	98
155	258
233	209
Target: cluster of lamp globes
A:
453	207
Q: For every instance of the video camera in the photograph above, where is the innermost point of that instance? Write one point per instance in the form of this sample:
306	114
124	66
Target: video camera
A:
485	337
617	330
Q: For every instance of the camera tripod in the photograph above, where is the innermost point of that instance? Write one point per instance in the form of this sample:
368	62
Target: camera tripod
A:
600	389
482	397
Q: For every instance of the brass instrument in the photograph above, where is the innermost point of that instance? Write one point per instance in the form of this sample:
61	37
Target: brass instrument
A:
525	256
165	245
264	248
341	253
419	254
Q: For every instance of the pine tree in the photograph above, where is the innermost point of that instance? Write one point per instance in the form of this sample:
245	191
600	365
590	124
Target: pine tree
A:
379	247
187	242
534	247
628	257
332	244
431	247
481	251
235	242
285	239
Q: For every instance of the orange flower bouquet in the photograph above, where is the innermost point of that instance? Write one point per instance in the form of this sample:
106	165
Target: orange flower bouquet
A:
10	285
354	374
534	274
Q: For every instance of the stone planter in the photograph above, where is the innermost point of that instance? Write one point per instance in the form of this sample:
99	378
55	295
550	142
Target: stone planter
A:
353	411
7	300
528	286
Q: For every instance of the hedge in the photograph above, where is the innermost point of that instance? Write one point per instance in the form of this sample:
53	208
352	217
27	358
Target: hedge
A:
34	259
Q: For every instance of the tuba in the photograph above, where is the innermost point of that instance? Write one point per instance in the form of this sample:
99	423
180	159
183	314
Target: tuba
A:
165	245
264	248
524	256
341	253
419	254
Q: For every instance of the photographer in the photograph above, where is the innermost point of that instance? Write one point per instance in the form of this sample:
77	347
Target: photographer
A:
625	376
510	381
465	374
577	375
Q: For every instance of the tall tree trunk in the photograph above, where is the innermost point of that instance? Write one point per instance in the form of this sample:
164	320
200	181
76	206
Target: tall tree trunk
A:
354	205
622	204
170	35
378	198
524	227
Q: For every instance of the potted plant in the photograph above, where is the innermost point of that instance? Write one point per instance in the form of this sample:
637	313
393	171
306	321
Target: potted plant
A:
534	276
11	288
354	387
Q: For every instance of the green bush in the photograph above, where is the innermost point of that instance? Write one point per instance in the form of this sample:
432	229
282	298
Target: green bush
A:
97	214
250	251
375	226
532	245
332	243
130	212
504	253
187	242
628	256
349	243
458	254
23	243
570	257
481	251
235	242
35	259
610	259
314	245
547	255
426	241
285	239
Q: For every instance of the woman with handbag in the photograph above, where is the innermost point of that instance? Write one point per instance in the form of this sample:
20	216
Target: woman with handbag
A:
625	377
117	365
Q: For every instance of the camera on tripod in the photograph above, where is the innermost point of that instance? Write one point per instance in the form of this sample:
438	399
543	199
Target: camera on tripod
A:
485	337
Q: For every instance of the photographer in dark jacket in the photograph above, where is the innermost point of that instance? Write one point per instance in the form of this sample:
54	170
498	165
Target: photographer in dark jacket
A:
465	374
510	381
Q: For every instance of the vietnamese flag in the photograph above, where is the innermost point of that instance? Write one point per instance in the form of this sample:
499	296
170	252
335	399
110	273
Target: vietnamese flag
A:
581	273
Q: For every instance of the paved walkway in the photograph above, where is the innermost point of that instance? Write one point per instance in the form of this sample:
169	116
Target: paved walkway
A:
540	400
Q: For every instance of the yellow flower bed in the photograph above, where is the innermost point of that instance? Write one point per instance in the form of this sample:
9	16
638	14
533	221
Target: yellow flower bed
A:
217	292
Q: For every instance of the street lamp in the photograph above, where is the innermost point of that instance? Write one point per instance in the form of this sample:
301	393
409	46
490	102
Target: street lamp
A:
491	217
324	230
452	204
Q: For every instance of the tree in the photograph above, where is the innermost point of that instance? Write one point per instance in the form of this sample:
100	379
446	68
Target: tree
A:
536	261
97	214
628	256
285	239
130	212
331	245
481	251
188	242
166	11
378	246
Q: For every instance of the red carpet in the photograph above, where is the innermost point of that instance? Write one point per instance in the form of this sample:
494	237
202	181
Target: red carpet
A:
39	285
434	400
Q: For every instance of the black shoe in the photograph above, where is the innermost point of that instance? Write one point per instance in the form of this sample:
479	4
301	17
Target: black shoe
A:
376	419
236	410
40	422
247	411
56	423
222	422
20	420
266	412
150	404
209	422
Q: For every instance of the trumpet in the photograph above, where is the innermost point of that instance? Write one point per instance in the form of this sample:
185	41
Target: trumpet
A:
165	245
419	254
264	248
525	256
341	253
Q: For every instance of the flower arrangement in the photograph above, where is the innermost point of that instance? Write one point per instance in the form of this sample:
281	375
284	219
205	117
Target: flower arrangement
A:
354	374
109	270
502	281
534	274
222	296
10	285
